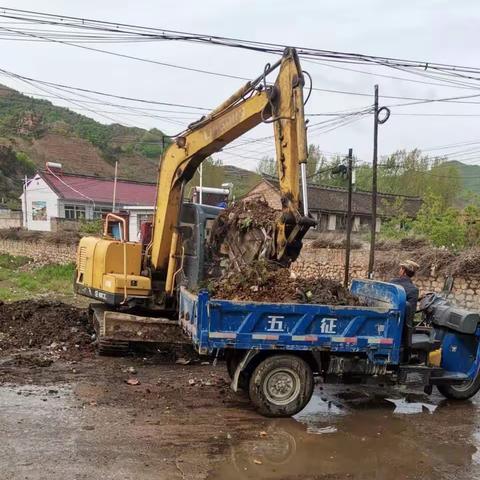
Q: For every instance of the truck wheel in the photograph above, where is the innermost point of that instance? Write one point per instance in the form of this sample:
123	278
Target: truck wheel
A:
281	386
463	391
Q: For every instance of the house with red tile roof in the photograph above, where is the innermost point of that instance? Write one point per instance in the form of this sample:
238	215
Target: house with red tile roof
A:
53	194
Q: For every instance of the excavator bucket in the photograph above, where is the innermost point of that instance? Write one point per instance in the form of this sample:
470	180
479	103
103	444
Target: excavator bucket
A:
251	230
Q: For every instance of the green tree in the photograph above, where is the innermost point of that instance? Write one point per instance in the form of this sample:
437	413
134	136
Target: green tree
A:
412	173
443	227
399	224
315	160
444	182
471	220
267	166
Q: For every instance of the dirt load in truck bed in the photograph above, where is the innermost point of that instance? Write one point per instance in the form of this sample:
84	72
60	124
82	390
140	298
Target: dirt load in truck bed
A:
264	281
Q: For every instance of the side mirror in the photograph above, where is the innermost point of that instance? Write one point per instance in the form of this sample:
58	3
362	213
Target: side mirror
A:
447	285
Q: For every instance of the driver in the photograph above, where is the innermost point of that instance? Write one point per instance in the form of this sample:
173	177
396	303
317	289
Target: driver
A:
406	273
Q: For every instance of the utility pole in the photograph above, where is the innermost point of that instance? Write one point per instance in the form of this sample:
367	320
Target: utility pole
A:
25	183
114	188
376	122
349	217
373	229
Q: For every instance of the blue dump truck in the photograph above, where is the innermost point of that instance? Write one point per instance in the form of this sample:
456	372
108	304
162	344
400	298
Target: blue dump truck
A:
275	350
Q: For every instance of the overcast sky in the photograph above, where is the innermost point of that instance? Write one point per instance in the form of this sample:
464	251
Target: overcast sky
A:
430	30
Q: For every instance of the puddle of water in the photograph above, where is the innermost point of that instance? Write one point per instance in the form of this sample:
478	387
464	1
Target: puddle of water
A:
321	430
403	406
357	433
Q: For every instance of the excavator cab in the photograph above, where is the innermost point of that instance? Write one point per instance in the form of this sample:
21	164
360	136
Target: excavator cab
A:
194	231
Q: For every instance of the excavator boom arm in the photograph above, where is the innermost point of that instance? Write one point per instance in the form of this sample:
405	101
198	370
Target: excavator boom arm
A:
282	105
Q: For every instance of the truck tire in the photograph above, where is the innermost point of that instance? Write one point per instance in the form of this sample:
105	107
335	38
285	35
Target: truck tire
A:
281	386
464	391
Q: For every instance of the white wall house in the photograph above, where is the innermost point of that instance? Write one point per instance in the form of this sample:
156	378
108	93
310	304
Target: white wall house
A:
54	196
39	204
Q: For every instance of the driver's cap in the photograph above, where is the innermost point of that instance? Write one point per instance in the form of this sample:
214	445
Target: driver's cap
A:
410	265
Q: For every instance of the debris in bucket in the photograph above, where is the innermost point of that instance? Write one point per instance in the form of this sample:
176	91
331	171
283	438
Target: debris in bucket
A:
244	232
243	216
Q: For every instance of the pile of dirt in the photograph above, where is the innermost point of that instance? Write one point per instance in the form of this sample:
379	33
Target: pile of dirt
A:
413	243
54	327
264	281
406	244
466	263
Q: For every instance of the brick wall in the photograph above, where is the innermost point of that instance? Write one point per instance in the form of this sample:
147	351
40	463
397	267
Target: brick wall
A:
10	219
267	192
10	223
64	224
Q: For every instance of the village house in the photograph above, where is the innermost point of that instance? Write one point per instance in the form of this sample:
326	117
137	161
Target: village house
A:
53	200
328	205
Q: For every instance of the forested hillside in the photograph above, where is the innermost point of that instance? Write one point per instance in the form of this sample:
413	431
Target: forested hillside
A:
34	131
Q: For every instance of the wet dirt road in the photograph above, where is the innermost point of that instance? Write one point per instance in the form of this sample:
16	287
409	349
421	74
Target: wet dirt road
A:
81	420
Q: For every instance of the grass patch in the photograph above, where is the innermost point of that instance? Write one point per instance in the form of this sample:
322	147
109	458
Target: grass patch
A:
52	280
11	262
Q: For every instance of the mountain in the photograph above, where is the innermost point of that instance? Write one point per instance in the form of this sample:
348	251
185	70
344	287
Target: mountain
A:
243	180
34	131
470	175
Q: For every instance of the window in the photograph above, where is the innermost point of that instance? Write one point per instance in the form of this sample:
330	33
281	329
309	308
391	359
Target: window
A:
99	211
75	212
341	222
332	222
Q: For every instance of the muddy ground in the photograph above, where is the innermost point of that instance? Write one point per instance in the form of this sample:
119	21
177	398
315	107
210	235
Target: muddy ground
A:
79	419
66	413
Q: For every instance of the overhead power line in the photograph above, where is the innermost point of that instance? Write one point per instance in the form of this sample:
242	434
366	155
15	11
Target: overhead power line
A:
123	55
105	94
137	31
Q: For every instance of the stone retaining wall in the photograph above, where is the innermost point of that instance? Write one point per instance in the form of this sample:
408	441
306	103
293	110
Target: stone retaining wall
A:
311	263
40	251
330	263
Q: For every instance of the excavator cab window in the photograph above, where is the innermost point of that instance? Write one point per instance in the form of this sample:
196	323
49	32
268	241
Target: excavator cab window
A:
195	229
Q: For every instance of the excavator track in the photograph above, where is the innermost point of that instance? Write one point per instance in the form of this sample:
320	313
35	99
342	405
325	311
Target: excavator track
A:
113	348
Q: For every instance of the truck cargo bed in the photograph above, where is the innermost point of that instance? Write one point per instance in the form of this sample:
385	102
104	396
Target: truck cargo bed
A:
374	329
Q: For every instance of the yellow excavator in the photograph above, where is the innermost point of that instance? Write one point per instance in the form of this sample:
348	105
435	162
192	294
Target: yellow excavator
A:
137	284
